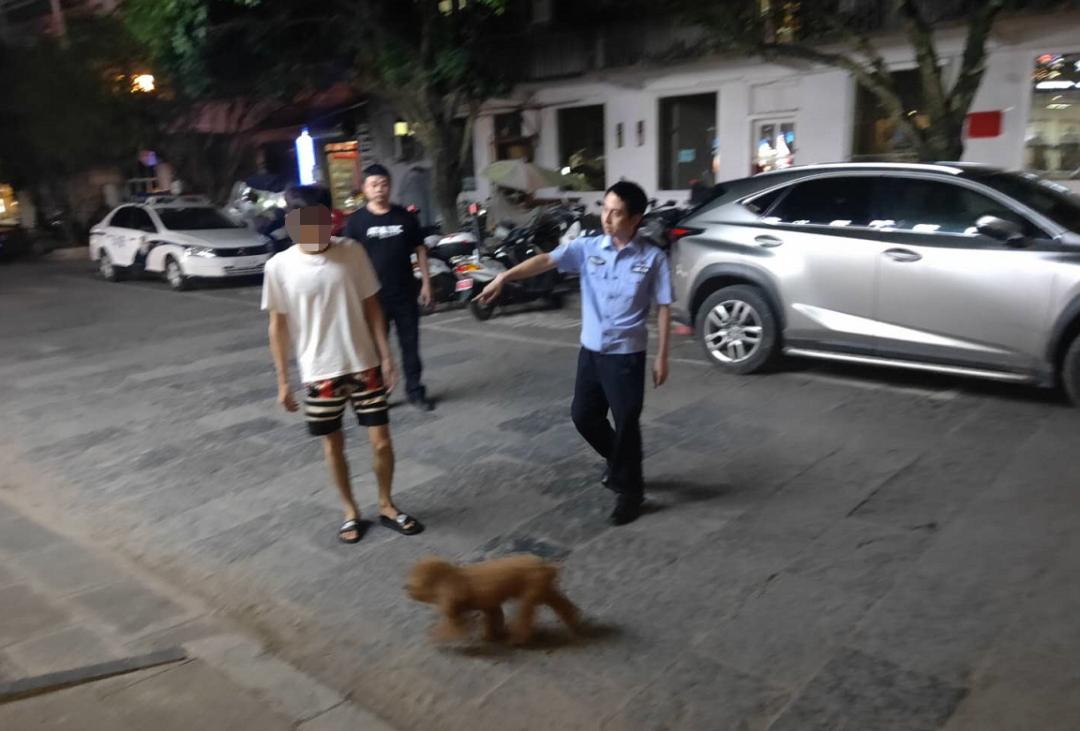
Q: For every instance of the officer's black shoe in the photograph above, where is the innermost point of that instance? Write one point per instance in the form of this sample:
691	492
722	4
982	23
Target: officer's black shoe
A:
626	510
423	403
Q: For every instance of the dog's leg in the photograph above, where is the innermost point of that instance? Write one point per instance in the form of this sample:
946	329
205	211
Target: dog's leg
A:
452	627
568	613
523	622
494	624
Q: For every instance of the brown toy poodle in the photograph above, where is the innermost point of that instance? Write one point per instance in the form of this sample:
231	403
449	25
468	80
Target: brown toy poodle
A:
459	591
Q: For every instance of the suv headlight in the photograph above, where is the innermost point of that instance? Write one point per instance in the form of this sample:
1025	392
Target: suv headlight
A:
204	251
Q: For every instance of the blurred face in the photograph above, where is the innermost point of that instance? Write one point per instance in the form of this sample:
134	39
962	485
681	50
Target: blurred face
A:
309	227
618	223
377	189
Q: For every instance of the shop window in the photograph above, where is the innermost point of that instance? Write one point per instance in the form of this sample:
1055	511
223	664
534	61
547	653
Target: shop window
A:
877	136
9	204
775	144
688	145
1052	142
581	144
511	142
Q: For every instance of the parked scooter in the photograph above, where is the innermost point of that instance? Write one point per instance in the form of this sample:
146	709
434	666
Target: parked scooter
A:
518	247
443	254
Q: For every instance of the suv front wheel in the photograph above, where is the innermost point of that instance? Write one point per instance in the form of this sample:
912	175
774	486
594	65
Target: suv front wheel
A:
737	329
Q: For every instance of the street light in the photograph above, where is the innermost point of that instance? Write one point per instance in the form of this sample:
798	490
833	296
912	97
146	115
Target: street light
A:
143	83
305	157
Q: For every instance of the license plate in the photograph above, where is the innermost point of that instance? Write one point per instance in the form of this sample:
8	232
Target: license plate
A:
463	285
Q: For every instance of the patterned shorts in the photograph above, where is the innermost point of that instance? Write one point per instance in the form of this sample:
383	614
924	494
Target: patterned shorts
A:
324	402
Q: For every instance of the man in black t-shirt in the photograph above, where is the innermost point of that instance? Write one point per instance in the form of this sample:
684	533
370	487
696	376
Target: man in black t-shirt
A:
391	235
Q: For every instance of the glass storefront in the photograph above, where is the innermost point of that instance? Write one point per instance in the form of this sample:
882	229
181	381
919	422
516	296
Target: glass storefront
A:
1052	142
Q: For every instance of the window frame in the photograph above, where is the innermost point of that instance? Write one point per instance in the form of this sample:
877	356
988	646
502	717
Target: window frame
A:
564	160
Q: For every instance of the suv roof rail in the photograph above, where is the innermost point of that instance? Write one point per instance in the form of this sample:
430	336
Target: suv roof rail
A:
952	169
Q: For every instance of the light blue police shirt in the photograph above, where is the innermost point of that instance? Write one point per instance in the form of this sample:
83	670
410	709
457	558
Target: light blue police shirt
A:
617	290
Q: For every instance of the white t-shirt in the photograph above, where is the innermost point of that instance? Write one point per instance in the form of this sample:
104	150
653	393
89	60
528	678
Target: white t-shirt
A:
322	295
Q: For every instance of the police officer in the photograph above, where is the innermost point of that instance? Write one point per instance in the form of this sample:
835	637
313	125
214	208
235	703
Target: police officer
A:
621	277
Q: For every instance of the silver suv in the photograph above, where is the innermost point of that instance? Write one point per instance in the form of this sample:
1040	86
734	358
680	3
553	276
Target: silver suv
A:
956	269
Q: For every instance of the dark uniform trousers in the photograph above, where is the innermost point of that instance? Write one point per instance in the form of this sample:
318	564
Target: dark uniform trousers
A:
615	383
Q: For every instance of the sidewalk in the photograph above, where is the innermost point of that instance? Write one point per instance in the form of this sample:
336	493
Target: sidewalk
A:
77	627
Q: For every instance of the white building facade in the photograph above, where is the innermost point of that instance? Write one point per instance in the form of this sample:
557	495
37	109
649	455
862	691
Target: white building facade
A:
727	118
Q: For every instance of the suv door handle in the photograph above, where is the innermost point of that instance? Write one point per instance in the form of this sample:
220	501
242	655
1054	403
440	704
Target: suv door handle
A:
904	255
769	242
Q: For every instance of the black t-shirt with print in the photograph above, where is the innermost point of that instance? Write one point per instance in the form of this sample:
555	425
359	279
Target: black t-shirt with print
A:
390	240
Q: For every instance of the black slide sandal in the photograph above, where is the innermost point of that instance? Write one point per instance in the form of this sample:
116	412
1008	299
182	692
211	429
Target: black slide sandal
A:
350	526
399	524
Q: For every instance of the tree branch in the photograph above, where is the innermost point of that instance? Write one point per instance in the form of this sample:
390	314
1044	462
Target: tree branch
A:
921	34
973	65
878	82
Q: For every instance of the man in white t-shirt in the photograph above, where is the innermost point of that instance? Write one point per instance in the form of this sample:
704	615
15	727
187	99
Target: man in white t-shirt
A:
321	294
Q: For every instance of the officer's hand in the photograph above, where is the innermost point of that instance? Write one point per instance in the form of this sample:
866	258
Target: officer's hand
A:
491	292
660	372
425	295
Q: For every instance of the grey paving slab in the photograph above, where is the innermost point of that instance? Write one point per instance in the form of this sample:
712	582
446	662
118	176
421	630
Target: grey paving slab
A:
345	717
66	568
193	696
70	710
27	613
69	648
19	535
858	691
564	700
786	630
694	693
245	664
862	557
129	606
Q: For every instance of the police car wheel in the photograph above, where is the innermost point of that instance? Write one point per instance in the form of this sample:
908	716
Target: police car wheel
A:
738	330
175	276
109	271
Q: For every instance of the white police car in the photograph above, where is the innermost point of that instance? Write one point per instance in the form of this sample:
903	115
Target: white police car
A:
184	238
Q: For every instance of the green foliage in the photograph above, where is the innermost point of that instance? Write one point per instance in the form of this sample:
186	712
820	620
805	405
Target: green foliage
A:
49	130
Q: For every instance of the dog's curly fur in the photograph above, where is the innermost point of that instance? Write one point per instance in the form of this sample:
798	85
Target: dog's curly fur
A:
460	590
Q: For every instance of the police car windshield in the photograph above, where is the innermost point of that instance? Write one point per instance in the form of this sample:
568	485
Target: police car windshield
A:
201	218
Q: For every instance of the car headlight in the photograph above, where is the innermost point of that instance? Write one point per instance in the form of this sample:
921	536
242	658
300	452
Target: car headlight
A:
204	251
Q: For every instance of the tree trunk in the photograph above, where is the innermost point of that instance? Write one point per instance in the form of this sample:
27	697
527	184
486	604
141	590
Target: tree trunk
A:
943	140
446	175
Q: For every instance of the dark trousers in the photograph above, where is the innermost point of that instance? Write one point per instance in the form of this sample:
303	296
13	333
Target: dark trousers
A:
615	383
405	317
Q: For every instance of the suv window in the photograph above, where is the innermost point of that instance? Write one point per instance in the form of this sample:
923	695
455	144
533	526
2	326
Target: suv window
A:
140	220
826	202
1048	198
932	206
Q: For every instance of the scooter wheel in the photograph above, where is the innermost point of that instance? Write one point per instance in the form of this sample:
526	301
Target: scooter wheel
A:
555	301
480	311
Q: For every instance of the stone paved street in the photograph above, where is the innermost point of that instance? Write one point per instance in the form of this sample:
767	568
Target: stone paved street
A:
826	548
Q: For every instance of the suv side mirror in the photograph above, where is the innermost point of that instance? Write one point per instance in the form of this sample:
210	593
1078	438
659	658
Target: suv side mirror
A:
1008	232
